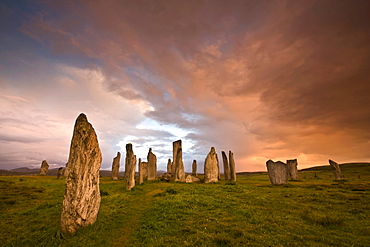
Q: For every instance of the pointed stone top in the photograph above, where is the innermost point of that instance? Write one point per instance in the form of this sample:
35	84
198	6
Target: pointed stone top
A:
194	161
213	150
81	118
118	153
128	146
332	162
150	150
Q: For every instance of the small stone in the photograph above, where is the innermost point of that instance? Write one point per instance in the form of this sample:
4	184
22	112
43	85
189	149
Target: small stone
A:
44	168
60	172
337	170
226	166
194	168
191	179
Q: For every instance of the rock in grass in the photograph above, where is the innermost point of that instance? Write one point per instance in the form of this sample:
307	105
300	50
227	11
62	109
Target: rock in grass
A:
292	169
337	170
211	168
130	167
115	166
278	172
191	179
82	195
44	168
152	165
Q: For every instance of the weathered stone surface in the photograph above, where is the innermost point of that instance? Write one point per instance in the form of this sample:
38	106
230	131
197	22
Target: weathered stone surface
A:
152	165
292	169
169	166
232	167
178	171
44	168
82	195
130	164
194	167
211	168
143	171
115	166
278	172
226	166
60	172
167	176
191	179
337	170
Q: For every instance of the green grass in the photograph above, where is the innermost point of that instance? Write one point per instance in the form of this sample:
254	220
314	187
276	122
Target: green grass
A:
314	211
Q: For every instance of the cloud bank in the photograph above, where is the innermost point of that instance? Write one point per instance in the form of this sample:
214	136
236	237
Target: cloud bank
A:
265	79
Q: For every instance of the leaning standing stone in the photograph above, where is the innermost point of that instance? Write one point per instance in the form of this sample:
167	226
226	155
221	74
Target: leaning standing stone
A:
82	195
232	167
211	169
337	171
278	172
44	168
130	167
226	166
115	166
169	166
292	169
152	165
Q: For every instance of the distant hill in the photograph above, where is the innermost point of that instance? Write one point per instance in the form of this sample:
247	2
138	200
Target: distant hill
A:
344	167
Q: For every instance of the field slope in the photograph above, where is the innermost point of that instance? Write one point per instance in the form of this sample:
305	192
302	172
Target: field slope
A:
314	211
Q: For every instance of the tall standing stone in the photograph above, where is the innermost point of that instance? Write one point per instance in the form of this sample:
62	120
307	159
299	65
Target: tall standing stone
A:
178	171
194	167
152	165
169	166
60	172
130	164
226	166
232	167
115	166
44	168
337	171
278	172
292	169
82	195
211	168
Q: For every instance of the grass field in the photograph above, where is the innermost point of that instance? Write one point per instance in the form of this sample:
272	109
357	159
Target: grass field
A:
315	211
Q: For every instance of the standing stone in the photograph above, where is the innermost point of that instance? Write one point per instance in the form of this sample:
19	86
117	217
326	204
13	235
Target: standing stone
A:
178	171
60	172
226	166
337	171
278	172
292	169
232	167
211	168
194	167
44	168
152	165
82	195
143	171
169	166
115	166
130	164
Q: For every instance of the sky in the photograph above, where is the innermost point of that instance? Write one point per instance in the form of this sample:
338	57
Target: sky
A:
265	79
